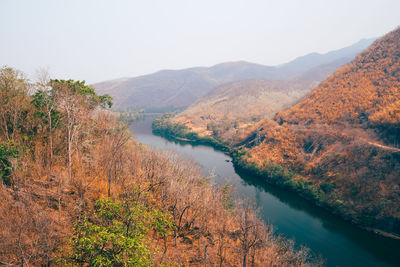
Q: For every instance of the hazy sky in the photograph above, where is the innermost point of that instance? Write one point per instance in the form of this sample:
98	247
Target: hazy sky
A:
100	40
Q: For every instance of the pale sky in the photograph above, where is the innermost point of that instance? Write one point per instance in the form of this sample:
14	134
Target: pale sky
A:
100	40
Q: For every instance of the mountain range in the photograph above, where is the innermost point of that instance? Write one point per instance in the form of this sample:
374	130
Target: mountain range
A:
234	108
180	88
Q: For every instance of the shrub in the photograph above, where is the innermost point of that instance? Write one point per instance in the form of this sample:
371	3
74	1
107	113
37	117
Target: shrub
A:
7	151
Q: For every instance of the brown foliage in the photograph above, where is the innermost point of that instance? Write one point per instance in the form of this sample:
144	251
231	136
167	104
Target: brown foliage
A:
335	137
99	158
368	85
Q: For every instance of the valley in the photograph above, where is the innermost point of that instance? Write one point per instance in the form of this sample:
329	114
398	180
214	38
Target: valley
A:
339	242
336	146
200	133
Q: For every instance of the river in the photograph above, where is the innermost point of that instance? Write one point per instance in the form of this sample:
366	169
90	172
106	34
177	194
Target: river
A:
339	242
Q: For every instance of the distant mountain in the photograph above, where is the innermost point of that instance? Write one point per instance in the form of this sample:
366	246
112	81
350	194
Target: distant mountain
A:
312	60
341	142
180	88
235	108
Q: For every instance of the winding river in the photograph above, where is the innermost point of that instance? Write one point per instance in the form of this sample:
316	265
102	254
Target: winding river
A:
339	242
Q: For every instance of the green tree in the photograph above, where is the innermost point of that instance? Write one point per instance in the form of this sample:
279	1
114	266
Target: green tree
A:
75	101
7	151
116	235
45	106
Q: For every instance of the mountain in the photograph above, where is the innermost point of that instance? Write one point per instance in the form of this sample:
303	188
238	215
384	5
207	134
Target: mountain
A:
339	145
312	60
180	88
231	110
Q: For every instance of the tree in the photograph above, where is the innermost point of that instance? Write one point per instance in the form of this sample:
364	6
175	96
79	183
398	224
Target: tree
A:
163	225
45	105
7	152
249	232
116	235
13	100
113	151
75	100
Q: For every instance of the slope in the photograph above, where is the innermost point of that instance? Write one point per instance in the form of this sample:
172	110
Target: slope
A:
339	145
231	110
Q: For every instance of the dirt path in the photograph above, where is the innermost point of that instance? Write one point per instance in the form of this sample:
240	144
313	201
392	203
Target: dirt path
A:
390	148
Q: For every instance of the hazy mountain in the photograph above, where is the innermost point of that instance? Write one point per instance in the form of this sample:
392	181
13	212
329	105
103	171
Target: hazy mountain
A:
180	88
312	60
235	107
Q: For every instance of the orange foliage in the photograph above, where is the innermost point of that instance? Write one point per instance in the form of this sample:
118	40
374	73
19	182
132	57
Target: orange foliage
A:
356	91
335	137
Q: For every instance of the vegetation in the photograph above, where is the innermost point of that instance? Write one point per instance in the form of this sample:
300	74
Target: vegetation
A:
7	153
231	111
116	234
343	139
338	146
78	190
130	115
165	127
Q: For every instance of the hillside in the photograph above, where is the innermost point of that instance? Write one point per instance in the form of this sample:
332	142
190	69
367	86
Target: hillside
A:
231	110
180	88
339	145
77	189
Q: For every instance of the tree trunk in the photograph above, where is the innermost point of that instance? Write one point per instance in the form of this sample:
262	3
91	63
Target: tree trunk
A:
69	129
50	139
165	248
59	197
205	256
109	184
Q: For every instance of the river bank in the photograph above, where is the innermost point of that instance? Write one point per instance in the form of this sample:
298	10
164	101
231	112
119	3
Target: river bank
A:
339	242
278	175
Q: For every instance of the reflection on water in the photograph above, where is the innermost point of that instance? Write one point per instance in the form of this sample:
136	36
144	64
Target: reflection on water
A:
341	243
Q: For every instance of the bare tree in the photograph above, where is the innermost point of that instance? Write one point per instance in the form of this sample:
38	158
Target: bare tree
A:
44	101
116	139
13	96
248	233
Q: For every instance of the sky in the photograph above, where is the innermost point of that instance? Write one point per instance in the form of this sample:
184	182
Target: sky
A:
98	40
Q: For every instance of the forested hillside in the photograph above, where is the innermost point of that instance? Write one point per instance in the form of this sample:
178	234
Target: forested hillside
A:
340	144
76	189
180	88
231	111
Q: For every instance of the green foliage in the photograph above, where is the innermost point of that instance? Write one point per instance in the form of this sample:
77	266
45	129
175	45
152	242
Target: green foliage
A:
79	88
8	151
226	198
165	127
355	189
106	101
130	115
327	187
367	220
117	235
163	223
45	106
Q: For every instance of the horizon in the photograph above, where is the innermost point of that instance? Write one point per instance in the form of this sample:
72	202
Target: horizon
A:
98	41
